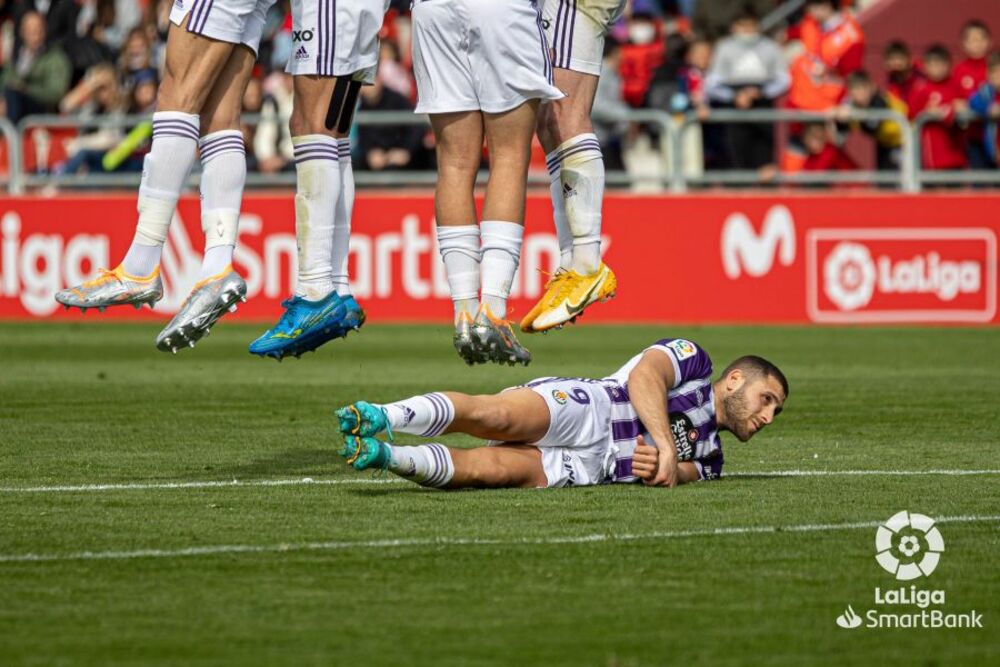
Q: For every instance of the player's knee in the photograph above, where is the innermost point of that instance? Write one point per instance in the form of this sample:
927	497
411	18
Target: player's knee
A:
174	95
297	123
548	126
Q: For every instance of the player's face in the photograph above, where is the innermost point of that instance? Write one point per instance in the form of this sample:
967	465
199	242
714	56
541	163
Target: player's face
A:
976	43
994	76
937	69
752	406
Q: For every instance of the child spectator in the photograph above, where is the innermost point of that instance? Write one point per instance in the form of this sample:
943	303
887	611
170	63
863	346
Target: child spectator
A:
888	135
942	142
986	103
748	71
389	147
970	74
901	74
816	151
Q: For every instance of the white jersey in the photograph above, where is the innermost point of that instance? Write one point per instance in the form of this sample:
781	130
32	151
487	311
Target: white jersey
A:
472	55
593	428
576	30
336	38
233	21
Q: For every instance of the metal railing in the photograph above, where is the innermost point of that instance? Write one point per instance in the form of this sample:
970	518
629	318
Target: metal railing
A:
671	173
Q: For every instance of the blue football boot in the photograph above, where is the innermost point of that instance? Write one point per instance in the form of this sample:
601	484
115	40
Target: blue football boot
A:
304	326
354	315
366	453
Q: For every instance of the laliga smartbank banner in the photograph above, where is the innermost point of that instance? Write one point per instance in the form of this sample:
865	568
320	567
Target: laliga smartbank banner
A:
842	259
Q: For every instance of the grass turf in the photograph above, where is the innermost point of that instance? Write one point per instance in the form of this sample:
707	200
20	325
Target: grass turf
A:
96	403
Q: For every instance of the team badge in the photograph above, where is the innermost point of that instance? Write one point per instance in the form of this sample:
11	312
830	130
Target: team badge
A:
560	396
682	348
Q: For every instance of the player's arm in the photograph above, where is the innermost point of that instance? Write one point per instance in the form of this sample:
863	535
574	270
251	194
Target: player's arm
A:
648	384
645	461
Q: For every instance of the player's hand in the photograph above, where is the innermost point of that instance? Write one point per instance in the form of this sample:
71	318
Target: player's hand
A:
644	461
666	465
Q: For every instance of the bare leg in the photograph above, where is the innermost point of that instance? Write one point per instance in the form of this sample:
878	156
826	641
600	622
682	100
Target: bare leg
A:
518	415
222	107
562	119
193	66
459	149
311	102
503	466
508	136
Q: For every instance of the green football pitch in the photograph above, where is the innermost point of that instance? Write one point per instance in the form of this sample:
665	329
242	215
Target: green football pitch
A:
192	510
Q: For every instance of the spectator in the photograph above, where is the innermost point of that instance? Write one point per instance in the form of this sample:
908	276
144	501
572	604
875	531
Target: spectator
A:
142	99
712	18
986	102
38	76
253	101
272	143
888	135
136	56
941	141
815	150
970	74
608	103
97	94
642	55
394	76
386	147
901	74
834	36
747	71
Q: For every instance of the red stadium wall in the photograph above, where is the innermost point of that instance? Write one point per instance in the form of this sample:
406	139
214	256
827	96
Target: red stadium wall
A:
849	258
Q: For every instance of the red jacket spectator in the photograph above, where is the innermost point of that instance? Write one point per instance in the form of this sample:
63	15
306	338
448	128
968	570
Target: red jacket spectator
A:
835	37
970	74
942	142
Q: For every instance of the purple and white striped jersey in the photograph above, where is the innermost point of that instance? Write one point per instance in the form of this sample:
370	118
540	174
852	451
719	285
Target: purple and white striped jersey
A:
690	405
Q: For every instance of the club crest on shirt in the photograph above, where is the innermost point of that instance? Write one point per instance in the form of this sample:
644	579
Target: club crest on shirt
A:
682	348
685	434
560	396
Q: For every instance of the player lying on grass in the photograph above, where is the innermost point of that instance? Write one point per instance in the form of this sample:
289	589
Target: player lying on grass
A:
657	419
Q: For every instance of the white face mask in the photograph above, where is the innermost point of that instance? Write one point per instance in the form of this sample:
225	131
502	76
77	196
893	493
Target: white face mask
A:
641	32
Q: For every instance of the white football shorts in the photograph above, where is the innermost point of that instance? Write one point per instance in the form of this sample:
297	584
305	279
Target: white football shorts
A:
471	55
576	451
576	30
336	38
233	21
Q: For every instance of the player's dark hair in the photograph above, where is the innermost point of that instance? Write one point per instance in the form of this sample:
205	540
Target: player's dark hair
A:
896	47
747	12
758	367
857	78
974	24
939	51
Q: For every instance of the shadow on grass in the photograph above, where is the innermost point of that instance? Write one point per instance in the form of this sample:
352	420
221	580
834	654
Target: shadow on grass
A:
291	462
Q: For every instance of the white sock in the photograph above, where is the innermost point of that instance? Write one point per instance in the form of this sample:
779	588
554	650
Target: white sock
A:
461	254
164	171
342	219
427	465
501	255
317	191
582	178
223	175
563	232
428	415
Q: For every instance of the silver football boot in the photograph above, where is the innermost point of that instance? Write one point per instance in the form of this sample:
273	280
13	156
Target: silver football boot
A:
209	300
495	340
113	288
464	342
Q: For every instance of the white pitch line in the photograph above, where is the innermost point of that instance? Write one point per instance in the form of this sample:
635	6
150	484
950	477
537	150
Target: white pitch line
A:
148	486
456	541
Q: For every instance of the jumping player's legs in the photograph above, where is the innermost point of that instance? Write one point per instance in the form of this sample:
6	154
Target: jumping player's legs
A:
459	145
575	163
193	64
223	175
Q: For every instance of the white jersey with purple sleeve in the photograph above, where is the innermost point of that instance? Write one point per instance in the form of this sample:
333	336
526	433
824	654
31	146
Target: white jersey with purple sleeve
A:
690	406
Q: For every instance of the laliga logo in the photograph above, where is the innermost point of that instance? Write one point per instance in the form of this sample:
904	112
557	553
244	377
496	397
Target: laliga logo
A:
908	545
851	276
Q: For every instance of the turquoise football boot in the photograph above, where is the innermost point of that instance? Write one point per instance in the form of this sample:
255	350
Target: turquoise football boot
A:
363	419
366	453
304	326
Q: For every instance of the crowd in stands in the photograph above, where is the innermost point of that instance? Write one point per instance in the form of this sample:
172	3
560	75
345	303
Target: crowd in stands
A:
88	58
